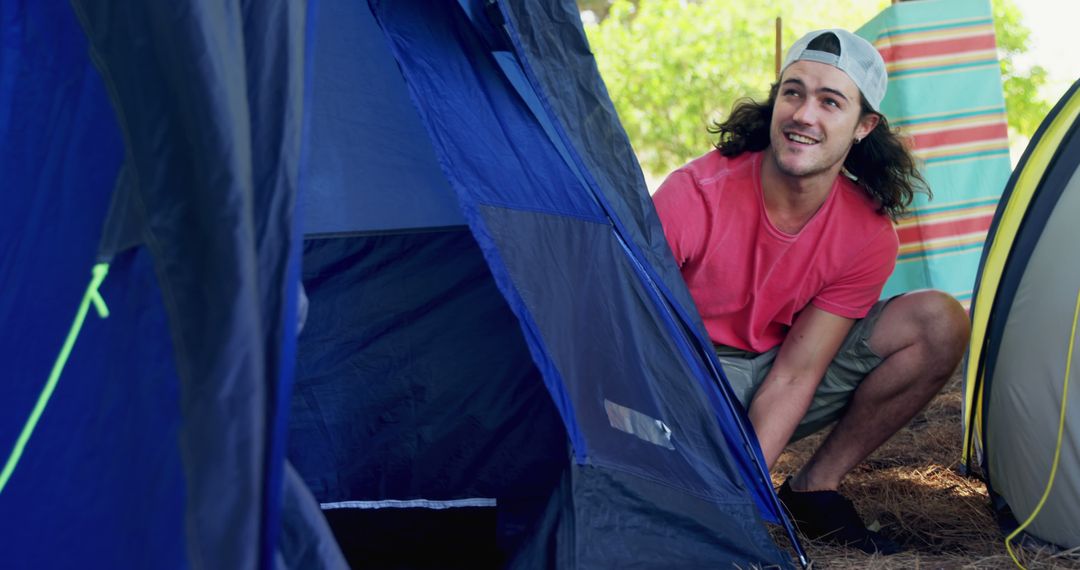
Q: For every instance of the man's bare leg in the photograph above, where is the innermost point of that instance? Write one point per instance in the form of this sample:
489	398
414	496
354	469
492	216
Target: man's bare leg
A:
921	337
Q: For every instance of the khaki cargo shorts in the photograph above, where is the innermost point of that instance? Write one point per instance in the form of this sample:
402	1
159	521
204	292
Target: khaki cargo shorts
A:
746	371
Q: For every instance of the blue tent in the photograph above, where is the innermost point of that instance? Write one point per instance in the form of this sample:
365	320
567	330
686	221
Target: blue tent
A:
402	246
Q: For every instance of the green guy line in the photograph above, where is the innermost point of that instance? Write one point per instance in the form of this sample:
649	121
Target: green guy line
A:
91	296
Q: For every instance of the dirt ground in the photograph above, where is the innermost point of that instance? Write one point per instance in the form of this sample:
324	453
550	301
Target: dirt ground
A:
912	488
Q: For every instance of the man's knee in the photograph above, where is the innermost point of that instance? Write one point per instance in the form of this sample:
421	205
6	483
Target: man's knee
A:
943	326
941	318
931	322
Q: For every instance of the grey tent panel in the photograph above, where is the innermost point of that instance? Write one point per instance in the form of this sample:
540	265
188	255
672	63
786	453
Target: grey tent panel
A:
1025	400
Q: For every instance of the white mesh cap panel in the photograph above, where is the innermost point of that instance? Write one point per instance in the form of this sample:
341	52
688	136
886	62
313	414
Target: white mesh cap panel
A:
858	59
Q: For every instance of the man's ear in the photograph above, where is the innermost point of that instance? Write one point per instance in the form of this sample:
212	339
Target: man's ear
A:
867	123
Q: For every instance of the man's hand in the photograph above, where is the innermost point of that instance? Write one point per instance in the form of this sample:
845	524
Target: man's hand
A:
786	394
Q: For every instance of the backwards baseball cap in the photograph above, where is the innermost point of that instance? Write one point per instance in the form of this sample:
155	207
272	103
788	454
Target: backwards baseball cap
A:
857	58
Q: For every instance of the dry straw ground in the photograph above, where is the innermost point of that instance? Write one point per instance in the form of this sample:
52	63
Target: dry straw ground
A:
912	488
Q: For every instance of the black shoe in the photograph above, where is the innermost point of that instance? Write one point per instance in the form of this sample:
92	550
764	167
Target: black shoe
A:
829	516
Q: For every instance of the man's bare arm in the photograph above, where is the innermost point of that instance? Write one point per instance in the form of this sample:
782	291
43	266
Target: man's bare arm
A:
786	394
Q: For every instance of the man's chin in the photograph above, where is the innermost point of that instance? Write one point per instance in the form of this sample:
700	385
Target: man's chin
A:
796	169
801	162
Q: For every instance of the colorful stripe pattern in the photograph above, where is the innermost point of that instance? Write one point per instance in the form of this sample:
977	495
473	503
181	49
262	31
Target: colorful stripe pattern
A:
945	97
957	136
945	230
917	50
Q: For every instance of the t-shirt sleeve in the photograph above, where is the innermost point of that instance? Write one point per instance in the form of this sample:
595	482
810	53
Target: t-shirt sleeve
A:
853	294
682	212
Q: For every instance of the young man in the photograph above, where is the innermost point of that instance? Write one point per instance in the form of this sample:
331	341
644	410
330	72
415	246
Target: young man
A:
784	236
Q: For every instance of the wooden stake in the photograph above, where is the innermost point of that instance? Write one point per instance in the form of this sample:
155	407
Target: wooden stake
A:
779	47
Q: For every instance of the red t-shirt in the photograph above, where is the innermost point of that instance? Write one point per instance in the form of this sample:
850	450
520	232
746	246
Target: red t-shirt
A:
749	279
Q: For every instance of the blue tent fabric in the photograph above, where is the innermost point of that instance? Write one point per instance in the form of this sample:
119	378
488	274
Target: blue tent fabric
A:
689	532
353	122
400	376
305	540
203	311
531	218
60	158
495	319
414	382
589	123
95	468
199	143
61	154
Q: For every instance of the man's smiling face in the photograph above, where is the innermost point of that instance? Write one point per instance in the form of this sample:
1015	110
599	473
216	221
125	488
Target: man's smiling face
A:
816	117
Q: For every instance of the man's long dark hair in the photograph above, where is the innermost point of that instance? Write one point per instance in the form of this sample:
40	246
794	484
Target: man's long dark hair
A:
883	165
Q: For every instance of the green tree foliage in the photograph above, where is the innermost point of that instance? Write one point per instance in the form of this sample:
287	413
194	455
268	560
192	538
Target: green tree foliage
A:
1022	102
674	66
